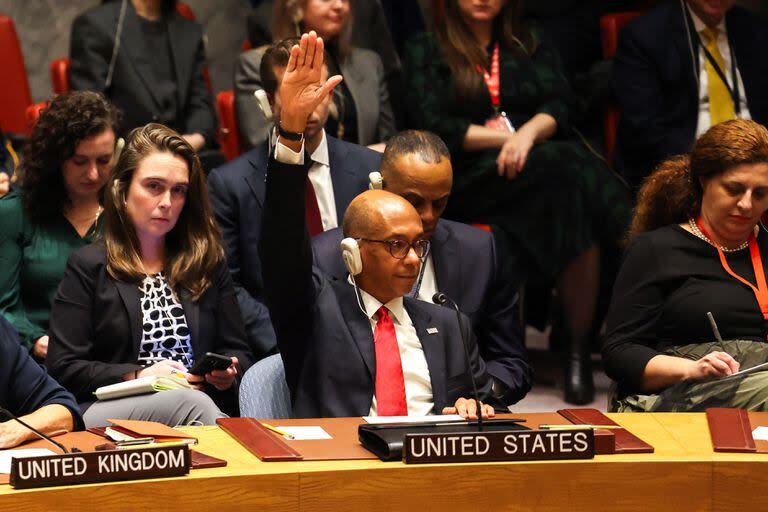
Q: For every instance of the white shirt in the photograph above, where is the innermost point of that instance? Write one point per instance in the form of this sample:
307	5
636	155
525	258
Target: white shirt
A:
704	120
418	386
319	176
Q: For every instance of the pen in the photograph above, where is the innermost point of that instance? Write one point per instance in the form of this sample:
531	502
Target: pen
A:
277	431
579	427
715	330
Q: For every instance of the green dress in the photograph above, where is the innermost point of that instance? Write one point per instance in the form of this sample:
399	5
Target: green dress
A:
564	199
32	262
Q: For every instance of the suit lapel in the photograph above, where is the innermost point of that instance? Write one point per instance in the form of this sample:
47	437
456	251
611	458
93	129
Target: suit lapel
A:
445	256
178	38
342	176
192	314
257	158
677	27
434	349
138	53
131	296
359	326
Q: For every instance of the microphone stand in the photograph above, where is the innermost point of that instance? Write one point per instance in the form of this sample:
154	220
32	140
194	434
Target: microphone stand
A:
441	299
8	414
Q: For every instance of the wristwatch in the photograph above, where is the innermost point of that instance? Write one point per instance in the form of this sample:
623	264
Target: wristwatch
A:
296	137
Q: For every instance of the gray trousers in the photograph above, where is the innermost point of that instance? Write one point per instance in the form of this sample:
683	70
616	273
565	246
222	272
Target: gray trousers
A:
174	408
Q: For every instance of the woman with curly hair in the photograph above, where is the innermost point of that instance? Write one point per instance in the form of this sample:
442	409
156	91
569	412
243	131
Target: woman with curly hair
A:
697	249
56	210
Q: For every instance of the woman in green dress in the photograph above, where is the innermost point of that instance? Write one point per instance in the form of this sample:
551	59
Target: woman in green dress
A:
56	210
495	91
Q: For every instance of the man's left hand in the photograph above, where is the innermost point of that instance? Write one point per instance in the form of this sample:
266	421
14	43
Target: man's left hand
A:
467	409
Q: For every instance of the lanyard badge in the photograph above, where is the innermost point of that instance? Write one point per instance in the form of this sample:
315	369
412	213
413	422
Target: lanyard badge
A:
499	119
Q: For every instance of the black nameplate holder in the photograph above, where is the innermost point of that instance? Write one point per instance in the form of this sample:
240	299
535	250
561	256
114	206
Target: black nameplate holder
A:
100	466
495	446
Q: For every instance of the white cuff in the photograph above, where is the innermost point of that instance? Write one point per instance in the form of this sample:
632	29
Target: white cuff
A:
286	155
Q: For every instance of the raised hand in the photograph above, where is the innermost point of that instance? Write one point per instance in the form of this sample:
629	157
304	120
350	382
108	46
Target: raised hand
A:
300	89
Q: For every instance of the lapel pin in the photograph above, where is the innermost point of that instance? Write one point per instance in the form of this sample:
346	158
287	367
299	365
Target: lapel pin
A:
431	330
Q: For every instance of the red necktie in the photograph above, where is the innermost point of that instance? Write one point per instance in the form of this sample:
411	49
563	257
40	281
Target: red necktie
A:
314	221
390	385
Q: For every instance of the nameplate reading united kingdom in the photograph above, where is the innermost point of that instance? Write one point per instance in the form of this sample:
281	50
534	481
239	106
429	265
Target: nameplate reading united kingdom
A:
100	466
499	446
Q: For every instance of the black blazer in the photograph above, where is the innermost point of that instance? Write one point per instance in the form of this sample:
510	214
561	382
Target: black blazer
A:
467	270
95	327
91	44
656	85
325	340
237	193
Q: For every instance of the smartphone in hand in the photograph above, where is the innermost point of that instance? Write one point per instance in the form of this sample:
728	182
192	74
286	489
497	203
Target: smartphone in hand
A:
210	362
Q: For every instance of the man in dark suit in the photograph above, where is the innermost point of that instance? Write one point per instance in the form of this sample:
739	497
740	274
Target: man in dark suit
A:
663	77
148	60
359	347
338	172
462	262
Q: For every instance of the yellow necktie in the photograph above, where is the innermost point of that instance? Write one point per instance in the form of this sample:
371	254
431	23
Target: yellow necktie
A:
720	101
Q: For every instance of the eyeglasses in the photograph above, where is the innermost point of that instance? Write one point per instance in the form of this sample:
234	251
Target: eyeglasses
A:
399	248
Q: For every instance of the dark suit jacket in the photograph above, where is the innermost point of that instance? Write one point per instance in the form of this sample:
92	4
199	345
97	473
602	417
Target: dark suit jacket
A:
237	192
96	329
132	89
24	385
468	272
325	340
656	85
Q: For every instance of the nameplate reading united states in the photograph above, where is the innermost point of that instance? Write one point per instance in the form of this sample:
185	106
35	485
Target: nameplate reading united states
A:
100	466
499	446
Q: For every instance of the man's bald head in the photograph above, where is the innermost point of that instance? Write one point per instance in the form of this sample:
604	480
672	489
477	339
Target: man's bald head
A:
373	210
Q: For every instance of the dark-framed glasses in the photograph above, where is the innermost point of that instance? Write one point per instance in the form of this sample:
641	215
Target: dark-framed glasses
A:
399	248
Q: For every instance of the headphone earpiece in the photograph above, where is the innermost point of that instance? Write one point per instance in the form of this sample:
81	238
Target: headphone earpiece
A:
376	182
350	253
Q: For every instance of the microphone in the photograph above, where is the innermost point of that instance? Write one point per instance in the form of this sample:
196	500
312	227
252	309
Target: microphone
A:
8	415
441	298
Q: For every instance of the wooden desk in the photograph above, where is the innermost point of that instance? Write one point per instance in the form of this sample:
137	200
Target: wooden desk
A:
683	474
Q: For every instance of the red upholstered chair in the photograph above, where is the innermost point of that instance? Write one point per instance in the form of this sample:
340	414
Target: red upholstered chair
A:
14	86
610	25
33	114
229	138
60	75
185	10
484	227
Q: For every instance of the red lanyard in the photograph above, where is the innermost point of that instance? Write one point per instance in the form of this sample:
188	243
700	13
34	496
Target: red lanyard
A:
761	290
492	80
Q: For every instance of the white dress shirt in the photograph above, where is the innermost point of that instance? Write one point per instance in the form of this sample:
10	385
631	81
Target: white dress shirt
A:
418	386
704	120
319	175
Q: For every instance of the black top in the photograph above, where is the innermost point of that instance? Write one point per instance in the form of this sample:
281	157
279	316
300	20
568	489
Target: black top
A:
670	279
345	106
155	34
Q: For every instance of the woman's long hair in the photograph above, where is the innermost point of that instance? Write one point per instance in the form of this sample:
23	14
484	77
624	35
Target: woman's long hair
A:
464	54
63	124
672	193
192	248
288	21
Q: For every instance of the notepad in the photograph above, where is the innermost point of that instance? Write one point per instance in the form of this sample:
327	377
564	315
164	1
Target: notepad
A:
305	433
7	455
437	418
141	386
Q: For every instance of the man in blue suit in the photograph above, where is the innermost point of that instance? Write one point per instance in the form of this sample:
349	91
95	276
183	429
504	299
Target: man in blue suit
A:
662	78
338	171
462	263
356	347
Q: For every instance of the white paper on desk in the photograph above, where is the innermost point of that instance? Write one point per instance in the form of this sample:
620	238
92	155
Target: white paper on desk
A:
760	434
7	455
305	433
437	418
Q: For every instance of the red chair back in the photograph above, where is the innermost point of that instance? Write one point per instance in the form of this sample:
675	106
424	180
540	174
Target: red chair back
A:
33	114
610	26
229	138
60	76
185	10
14	86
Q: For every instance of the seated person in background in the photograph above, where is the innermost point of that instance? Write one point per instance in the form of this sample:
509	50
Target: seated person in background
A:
668	88
462	261
494	90
326	328
56	210
30	393
360	112
154	296
338	171
698	246
148	60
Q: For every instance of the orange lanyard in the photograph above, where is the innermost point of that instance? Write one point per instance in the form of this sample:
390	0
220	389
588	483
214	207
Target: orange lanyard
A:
761	290
492	79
